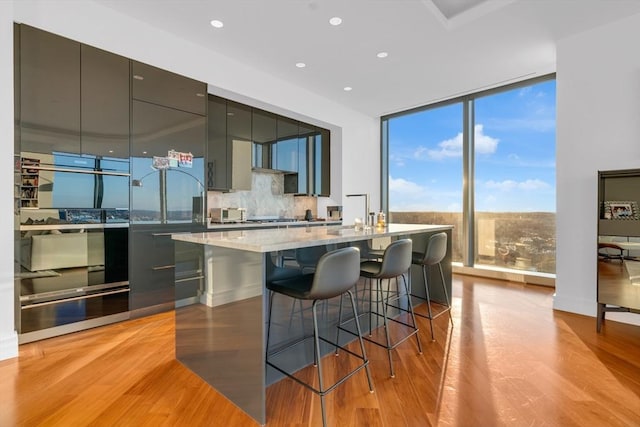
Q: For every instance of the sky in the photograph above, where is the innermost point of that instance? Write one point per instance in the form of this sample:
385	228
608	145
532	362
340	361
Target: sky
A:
514	154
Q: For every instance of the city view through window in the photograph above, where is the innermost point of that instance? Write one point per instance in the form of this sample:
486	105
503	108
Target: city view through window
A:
513	184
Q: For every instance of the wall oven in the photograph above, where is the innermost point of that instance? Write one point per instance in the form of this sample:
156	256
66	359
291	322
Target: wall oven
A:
72	243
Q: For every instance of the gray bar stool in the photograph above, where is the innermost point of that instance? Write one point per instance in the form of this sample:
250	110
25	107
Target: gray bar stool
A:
434	253
307	258
396	261
336	273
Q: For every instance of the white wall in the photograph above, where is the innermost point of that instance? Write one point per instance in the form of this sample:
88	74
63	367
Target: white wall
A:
598	128
8	337
356	135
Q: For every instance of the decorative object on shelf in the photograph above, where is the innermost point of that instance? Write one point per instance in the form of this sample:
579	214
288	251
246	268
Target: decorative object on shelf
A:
621	210
28	182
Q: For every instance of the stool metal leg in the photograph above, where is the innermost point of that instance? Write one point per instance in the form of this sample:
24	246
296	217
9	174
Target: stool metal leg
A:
364	353
316	343
426	290
386	328
446	295
413	316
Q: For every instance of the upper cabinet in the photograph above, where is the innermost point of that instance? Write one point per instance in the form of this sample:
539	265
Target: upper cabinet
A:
314	161
165	193
229	145
73	98
286	147
157	86
322	163
49	67
263	132
104	103
218	177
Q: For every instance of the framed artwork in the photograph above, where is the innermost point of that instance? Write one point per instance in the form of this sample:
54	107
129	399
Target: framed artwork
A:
621	209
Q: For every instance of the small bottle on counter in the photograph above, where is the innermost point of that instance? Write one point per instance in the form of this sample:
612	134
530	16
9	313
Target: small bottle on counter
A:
382	222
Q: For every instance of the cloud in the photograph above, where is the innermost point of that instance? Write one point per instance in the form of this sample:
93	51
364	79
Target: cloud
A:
484	144
509	185
404	187
397	160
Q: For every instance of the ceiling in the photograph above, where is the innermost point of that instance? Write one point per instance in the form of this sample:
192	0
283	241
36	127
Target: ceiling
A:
437	49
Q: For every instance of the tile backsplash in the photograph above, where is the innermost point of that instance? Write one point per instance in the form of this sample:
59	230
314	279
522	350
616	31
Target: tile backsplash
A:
266	198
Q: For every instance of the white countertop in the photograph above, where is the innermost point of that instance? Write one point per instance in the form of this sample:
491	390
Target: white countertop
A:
277	239
265	224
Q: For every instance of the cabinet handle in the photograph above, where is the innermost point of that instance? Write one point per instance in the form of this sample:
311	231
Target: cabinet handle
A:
90	172
163	267
59	301
189	279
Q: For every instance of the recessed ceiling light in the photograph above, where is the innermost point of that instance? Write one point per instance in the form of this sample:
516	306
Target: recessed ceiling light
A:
347	88
382	54
300	64
217	24
336	20
230	114
138	77
200	94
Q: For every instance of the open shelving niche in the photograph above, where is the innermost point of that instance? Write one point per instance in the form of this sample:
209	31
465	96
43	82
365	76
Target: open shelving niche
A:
618	242
27	182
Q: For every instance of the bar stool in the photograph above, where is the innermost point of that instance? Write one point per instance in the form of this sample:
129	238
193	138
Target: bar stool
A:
275	272
434	253
307	258
335	274
396	261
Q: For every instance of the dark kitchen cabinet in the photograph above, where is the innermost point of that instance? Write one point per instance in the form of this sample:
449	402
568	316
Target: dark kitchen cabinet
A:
104	103
161	194
165	199
49	92
286	148
313	170
156	275
229	145
73	98
263	133
322	163
163	87
218	154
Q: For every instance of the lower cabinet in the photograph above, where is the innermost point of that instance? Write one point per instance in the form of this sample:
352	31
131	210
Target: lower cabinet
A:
157	277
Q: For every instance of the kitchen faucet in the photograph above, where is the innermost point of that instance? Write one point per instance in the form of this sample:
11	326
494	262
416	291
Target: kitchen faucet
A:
367	207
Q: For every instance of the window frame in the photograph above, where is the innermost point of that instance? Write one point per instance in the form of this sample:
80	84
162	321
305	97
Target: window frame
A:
468	166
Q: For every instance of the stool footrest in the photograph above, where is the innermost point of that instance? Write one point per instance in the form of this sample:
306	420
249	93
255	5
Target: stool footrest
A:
307	385
446	308
383	345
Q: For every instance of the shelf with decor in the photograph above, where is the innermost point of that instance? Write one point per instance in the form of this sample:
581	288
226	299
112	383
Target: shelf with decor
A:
27	182
618	247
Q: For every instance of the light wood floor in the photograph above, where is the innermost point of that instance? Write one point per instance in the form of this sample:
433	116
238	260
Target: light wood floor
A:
510	360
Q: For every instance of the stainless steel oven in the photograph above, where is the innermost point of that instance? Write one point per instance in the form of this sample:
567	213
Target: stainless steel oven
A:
69	274
71	243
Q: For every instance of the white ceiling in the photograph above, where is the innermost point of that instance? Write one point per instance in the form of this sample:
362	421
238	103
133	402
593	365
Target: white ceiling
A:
482	43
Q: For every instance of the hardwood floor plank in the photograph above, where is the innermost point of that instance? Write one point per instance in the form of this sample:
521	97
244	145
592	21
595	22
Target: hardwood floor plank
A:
509	360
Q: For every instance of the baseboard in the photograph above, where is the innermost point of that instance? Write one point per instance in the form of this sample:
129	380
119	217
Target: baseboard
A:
573	305
517	276
231	295
9	346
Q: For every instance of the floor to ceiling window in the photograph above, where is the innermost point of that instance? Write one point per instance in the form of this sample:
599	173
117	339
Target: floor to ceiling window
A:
425	169
496	151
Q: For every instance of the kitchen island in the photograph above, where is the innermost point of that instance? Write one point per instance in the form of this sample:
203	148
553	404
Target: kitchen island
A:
221	335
